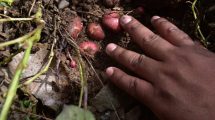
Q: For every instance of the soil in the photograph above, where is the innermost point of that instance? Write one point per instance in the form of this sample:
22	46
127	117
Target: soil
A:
177	11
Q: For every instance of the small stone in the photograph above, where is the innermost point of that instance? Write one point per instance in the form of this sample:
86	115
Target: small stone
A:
135	114
63	4
106	99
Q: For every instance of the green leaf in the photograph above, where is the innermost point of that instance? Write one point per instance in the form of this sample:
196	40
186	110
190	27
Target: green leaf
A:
26	103
4	4
75	113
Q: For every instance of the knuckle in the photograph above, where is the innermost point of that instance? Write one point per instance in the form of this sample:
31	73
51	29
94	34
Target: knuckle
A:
137	61
162	21
151	39
172	29
168	25
184	36
141	59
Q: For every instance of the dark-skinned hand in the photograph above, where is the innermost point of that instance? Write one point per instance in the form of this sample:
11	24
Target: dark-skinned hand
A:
177	76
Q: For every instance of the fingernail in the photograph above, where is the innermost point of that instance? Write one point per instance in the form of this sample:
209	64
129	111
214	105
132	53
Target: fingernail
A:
155	18
110	48
109	71
125	19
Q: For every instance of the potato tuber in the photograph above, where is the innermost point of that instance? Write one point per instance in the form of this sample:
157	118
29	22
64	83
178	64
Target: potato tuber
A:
88	47
111	21
75	27
73	64
95	31
139	10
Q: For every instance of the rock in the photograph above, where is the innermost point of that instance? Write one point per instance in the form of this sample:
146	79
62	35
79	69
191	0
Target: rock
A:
45	92
63	4
35	61
1	74
106	99
134	114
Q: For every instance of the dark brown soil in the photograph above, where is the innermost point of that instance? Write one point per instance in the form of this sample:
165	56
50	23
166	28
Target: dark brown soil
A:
177	11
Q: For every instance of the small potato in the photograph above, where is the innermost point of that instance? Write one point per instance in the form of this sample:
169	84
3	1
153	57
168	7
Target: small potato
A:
111	21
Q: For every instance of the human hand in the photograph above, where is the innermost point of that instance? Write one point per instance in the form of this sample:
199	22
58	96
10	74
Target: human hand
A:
176	76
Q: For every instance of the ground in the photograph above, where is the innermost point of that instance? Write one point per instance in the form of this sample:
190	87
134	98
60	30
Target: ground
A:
61	84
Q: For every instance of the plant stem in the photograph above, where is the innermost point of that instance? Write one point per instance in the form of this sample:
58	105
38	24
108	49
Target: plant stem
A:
51	56
81	71
82	77
21	39
22	65
15	19
193	9
203	40
28	40
32	6
82	84
15	81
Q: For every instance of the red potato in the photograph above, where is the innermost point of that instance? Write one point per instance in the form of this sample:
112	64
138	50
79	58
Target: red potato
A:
73	64
139	10
111	21
95	31
89	47
75	27
110	3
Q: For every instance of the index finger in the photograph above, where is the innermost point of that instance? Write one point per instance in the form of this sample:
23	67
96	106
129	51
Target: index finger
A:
152	44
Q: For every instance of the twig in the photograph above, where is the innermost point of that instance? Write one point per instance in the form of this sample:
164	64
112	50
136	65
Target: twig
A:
81	66
6	77
3	15
51	56
91	66
8	59
110	102
21	39
15	19
32	6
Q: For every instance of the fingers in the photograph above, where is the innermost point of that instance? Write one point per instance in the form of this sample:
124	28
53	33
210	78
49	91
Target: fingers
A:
140	64
136	87
152	44
170	32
